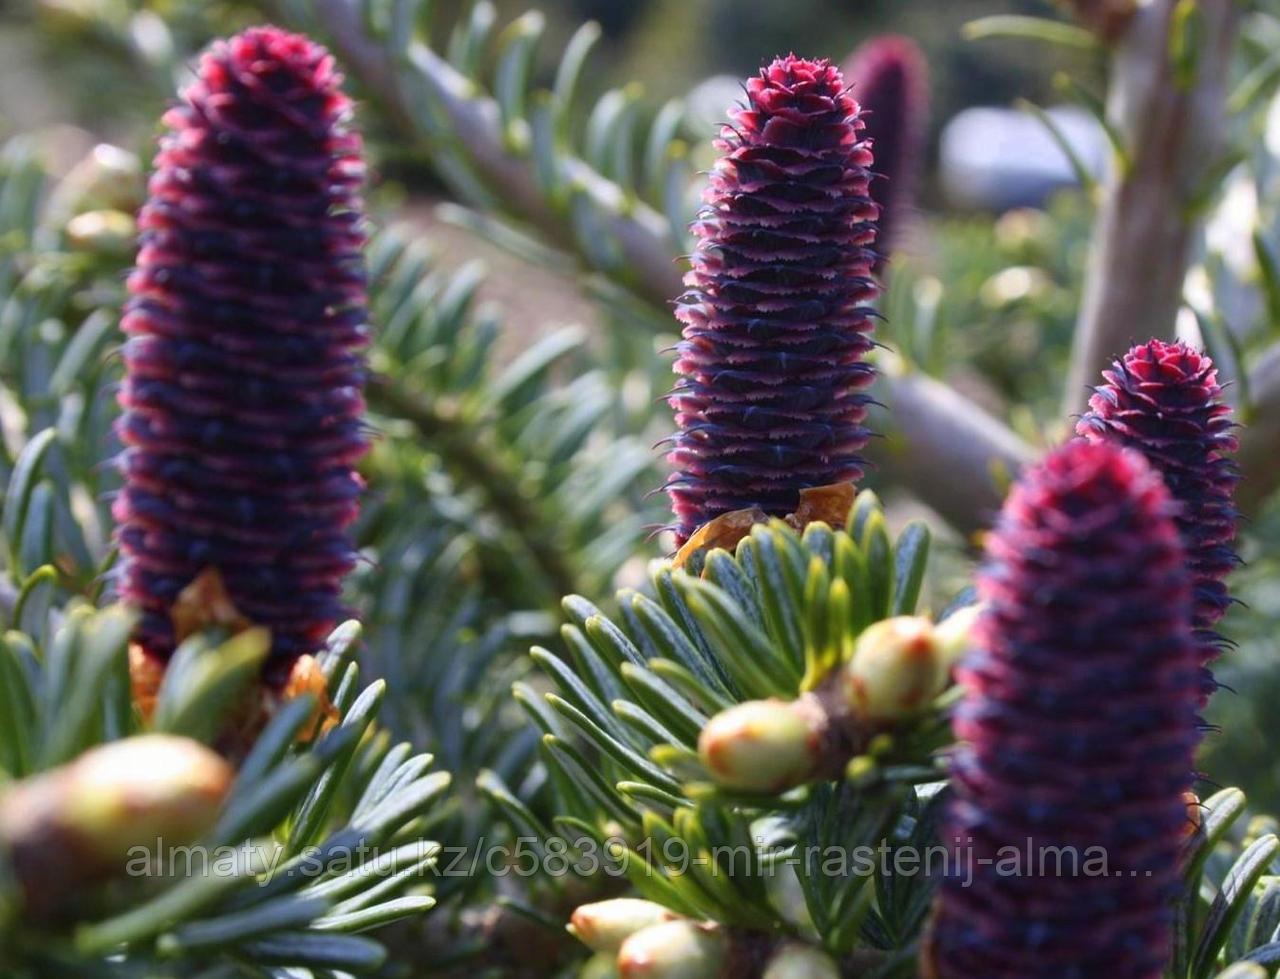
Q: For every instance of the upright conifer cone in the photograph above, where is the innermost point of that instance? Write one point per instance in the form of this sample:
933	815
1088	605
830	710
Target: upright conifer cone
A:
244	347
1163	399
776	316
890	80
1076	732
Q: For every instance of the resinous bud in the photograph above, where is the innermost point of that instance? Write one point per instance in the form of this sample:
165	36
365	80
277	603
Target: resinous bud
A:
954	633
896	669
143	789
674	950
604	925
795	960
760	746
108	178
84	821
102	233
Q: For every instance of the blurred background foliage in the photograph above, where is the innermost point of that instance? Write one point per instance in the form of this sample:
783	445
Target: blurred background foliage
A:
518	402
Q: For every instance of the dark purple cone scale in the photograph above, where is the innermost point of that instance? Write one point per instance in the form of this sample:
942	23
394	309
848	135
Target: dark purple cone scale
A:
244	347
776	317
890	80
1077	731
1163	399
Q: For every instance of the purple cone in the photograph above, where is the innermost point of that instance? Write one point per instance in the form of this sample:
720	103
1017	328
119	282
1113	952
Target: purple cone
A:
890	79
1163	399
776	316
244	355
1076	732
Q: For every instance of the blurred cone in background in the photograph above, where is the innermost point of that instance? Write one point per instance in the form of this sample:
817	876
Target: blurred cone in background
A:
890	80
1108	17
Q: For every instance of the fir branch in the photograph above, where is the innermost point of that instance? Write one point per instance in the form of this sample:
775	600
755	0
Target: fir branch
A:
463	449
475	121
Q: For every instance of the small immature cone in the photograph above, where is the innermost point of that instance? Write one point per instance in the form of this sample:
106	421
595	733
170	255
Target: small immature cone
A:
243	357
777	320
1076	732
604	925
79	823
762	746
890	79
896	669
674	950
1163	399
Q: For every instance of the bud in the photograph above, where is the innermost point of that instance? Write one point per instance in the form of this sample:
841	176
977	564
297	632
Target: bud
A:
896	669
797	961
760	746
602	965
605	925
80	822
673	950
108	178
953	634
101	232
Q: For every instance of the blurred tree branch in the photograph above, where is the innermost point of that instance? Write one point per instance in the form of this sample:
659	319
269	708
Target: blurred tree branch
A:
1259	455
952	454
1167	100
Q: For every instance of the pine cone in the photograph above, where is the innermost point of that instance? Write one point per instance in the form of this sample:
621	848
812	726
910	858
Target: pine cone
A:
1163	399
244	356
1077	732
776	321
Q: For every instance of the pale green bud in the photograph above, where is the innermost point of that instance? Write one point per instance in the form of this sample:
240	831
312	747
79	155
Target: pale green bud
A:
83	821
896	669
674	950
108	178
605	925
102	232
119	796
798	961
954	634
602	965
760	746
143	789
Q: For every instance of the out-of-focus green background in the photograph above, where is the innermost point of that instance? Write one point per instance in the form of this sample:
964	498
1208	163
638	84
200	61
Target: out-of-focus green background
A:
1003	284
51	74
